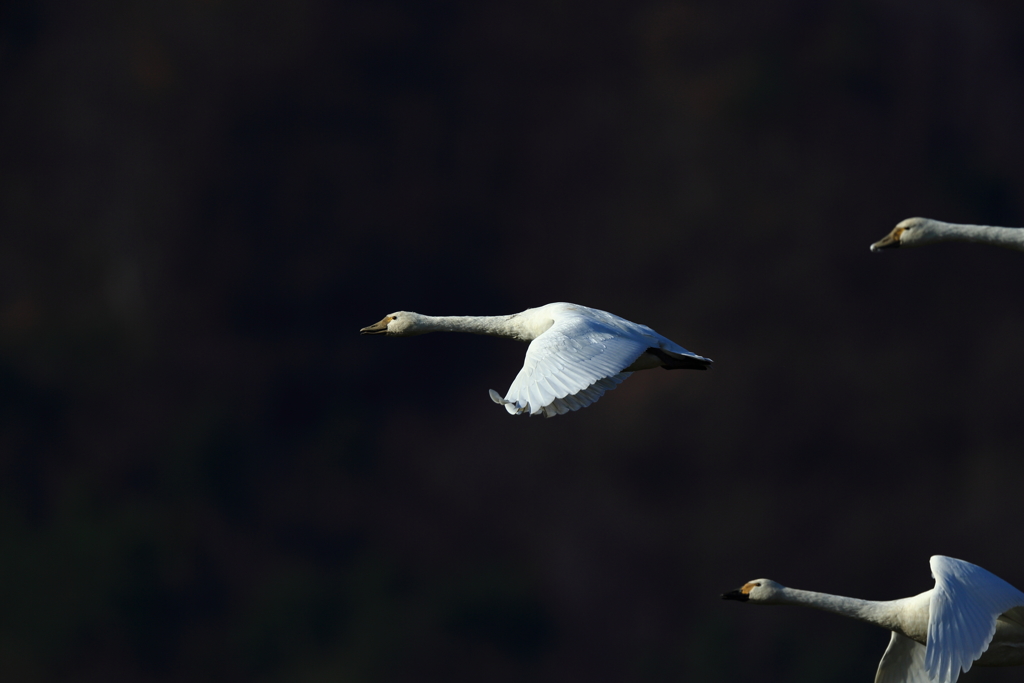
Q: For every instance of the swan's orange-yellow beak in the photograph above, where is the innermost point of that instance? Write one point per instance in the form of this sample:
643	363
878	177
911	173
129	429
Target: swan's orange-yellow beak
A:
890	241
377	328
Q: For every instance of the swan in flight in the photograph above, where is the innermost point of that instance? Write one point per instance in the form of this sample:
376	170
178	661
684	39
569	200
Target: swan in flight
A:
575	354
971	616
916	231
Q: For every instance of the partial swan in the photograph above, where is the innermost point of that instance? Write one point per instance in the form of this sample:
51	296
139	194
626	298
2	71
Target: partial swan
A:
575	354
917	231
971	616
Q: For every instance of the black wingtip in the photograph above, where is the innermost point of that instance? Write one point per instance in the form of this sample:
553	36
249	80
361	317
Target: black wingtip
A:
674	361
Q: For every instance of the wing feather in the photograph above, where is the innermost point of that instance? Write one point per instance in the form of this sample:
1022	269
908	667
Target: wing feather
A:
903	662
571	401
576	357
963	610
558	387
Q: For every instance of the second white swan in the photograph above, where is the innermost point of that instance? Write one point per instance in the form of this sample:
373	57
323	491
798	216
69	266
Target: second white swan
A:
914	232
971	616
576	353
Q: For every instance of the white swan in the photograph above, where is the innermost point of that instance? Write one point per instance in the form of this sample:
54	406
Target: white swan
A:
971	616
575	355
913	232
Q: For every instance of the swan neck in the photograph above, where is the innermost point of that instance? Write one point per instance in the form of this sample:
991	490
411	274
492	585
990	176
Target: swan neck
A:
1011	238
493	325
880	613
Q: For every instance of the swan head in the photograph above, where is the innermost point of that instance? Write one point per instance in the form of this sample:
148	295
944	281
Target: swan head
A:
398	324
758	591
907	233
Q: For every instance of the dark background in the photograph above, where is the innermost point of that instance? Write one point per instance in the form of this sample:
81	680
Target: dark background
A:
206	474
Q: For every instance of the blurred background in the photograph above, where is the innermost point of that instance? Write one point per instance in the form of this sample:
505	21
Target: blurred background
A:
206	474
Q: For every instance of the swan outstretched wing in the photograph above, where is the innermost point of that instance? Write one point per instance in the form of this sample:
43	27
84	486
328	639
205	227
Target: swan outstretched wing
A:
903	662
570	366
963	610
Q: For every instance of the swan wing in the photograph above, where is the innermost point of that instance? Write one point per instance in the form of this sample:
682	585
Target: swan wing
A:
571	365
1015	616
963	610
903	662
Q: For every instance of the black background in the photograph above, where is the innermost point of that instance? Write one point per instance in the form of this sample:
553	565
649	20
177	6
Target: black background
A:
206	474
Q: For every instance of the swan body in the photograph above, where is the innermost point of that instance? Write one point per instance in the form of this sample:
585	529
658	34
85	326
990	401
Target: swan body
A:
917	231
576	353
971	616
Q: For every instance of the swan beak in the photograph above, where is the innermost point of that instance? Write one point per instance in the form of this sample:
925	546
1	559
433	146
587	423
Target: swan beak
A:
890	241
377	328
737	594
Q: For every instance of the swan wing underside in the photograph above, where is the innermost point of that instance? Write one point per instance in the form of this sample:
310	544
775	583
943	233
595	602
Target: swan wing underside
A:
903	662
963	610
1015	616
571	365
